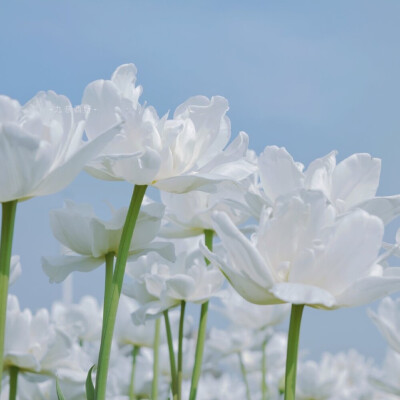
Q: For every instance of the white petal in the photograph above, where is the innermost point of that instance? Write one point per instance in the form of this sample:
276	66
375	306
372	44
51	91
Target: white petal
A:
65	173
297	293
24	161
9	109
279	173
356	179
59	267
124	78
242	254
386	208
371	288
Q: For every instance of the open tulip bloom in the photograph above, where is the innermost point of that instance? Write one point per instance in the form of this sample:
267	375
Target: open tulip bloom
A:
41	151
317	242
305	254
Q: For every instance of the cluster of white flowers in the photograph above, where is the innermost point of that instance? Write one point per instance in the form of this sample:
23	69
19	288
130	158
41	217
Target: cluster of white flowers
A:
252	234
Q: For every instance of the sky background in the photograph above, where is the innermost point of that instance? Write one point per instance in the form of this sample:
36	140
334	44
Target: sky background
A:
312	76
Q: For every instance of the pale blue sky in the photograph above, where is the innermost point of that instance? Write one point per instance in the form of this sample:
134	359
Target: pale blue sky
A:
308	75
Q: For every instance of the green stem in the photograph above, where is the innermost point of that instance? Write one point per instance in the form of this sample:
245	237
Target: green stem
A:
292	351
7	231
264	388
156	360
112	302
135	352
244	376
171	356
108	281
201	337
13	382
180	349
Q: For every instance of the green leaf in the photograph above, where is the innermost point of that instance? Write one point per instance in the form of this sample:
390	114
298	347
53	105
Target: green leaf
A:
89	385
59	392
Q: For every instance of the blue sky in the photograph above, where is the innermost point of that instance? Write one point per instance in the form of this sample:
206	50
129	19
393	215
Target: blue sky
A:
310	76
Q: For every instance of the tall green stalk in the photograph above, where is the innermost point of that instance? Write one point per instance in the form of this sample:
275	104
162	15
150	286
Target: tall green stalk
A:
292	351
13	383
109	269
112	302
7	232
201	337
135	352
174	383
180	349
156	360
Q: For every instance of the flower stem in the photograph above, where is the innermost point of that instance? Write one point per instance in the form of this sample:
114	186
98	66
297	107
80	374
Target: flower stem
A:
201	337
115	291
156	360
171	356
108	281
244	376
292	351
264	388
180	349
135	352
7	231
13	382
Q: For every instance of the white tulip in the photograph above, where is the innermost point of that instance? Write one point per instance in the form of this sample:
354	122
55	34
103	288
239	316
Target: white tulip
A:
252	316
189	214
81	322
387	379
387	320
175	155
351	183
303	254
32	343
88	239
41	145
126	332
159	284
217	388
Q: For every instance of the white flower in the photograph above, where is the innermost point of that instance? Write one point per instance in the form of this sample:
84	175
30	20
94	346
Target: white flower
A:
89	239
217	388
387	379
189	214
342	376
302	254
175	155
387	320
159	284
32	343
126	332
41	145
235	340
351	183
252	316
80	321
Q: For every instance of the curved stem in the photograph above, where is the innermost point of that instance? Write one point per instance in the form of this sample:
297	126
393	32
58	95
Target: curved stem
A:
264	388
201	337
292	351
135	352
109	269
13	382
244	375
171	356
7	232
180	349
156	360
112	302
